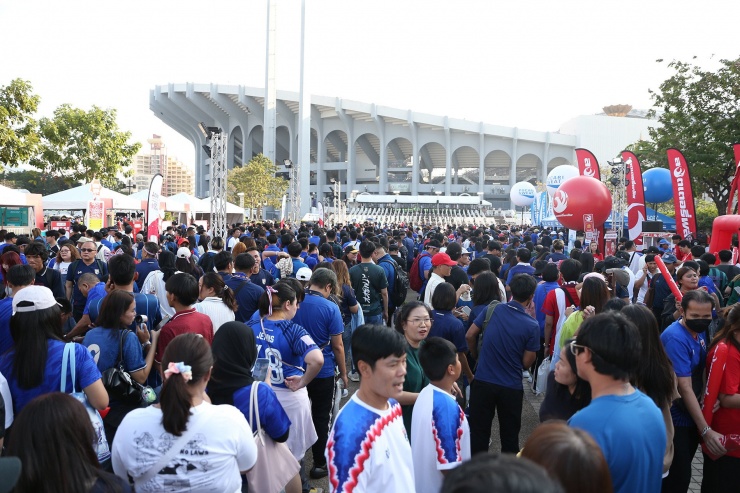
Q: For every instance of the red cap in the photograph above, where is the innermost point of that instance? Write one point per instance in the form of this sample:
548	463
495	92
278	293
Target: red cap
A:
180	241
442	259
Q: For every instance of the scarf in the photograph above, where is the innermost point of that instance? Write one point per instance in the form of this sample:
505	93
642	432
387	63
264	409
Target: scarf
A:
234	353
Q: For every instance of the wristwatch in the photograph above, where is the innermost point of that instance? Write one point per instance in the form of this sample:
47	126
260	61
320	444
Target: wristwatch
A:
147	343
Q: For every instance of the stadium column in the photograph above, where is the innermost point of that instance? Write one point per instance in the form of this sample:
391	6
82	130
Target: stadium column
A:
545	158
512	166
448	158
481	159
383	159
349	124
416	162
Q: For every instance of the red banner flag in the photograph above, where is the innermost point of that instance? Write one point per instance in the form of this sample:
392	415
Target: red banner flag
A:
636	212
735	181
587	164
683	196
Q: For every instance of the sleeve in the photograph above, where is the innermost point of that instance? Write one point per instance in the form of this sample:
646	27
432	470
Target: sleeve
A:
549	307
7	400
458	336
86	372
481	318
272	415
336	327
446	421
731	378
246	449
300	341
677	353
349	295
133	357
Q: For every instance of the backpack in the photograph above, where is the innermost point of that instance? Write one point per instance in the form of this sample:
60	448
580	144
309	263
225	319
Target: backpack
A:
400	284
489	313
415	279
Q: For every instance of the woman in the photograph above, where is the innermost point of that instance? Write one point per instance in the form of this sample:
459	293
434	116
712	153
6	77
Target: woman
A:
350	256
185	440
68	253
155	281
587	264
566	393
348	306
414	321
111	341
687	280
34	366
570	456
486	288
53	438
240	247
235	353
185	263
9	259
594	295
593	247
509	262
288	347
203	244
654	375
217	300
447	326
326	253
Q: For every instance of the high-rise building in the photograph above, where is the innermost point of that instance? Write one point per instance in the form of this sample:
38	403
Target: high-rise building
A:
176	176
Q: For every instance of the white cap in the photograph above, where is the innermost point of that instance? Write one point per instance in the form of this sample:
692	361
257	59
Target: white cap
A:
303	274
183	252
33	298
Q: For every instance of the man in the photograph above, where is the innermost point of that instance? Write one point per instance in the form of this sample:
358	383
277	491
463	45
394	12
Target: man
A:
683	251
522	267
664	246
442	267
51	242
86	263
395	254
323	321
626	423
92	289
258	275
557	254
494	250
510	343
368	450
633	262
458	275
425	263
294	250
206	260
10	239
234	235
685	344
370	285
625	288
659	286
102	252
331	239
149	262
389	266
725	265
18	277
649	271
246	293
546	239
36	255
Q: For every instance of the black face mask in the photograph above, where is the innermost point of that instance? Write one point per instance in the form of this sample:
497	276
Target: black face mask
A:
697	325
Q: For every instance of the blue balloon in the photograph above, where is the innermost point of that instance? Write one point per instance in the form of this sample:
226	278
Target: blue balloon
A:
657	185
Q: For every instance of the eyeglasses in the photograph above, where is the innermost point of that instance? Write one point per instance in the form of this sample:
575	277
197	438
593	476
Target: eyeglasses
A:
576	349
87	250
418	321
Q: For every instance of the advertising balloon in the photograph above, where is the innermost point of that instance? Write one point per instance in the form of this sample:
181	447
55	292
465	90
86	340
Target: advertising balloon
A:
579	196
657	185
522	194
558	176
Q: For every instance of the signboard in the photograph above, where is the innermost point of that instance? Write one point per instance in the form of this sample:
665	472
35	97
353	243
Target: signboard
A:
95	214
60	225
399	187
610	243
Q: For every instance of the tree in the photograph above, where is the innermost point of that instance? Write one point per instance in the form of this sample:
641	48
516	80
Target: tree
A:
706	211
83	145
18	136
258	182
699	112
37	182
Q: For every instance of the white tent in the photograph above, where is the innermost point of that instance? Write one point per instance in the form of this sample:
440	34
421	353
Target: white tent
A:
76	199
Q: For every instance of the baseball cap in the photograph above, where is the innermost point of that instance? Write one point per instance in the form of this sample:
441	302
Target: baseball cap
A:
83	239
612	262
33	298
350	249
10	471
669	258
303	274
663	241
442	259
620	275
466	251
183	252
180	241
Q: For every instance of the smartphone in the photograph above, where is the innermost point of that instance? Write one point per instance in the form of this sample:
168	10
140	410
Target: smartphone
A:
466	310
259	370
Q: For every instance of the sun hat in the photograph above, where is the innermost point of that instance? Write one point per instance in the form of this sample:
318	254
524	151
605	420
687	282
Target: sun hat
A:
33	298
303	274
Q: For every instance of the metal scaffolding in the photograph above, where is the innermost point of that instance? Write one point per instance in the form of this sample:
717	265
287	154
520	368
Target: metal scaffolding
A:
619	171
217	142
294	194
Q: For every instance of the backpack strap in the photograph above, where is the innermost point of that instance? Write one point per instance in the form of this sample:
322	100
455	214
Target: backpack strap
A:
567	295
489	313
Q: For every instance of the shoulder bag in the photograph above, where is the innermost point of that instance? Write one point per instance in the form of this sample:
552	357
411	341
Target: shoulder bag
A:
118	382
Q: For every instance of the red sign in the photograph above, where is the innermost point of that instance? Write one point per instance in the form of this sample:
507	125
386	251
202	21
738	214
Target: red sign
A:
587	164
60	225
683	197
636	212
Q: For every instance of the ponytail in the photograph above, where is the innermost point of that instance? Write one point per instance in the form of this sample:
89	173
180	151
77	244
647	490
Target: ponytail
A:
214	281
274	297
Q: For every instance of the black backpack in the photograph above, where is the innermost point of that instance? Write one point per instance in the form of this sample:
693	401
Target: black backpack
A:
400	284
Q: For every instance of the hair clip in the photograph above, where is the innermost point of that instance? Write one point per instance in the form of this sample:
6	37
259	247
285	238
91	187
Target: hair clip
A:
179	368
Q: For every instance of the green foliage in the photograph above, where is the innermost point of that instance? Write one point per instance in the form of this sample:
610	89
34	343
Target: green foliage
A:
706	211
700	115
83	144
18	137
258	182
37	182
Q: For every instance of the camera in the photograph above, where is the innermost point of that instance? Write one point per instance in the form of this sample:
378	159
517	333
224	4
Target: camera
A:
141	319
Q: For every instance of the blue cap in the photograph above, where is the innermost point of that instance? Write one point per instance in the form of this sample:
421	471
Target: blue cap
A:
669	258
663	241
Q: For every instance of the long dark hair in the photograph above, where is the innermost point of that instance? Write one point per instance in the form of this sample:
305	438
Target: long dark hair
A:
582	392
166	261
486	289
214	281
730	327
53	438
30	332
594	293
654	374
279	294
193	350
112	309
587	262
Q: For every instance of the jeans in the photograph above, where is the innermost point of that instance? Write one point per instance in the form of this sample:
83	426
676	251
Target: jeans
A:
485	399
374	319
347	341
321	393
685	441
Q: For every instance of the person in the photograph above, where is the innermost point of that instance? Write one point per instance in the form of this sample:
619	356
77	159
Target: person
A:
17	278
259	276
36	255
149	262
207	446
445	324
216	300
205	262
424	260
53	438
65	256
34	366
383	463
235	353
654	374
350	255
348	306
91	288
487	289
593	247
322	320
110	341
441	434
414	321
155	282
557	254
557	301
510	342
570	456
288	347
184	262
659	288
685	343
389	266
645	277
486	473
607	349
441	268
593	296
370	285
566	393
246	293
522	266
9	259
687	279
86	263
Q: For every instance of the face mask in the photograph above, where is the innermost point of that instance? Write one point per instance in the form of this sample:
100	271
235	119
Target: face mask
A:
698	325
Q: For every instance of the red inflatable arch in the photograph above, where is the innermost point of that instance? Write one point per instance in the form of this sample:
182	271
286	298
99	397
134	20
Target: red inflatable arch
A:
723	228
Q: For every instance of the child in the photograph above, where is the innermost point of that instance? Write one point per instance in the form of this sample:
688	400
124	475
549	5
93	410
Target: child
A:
368	450
440	435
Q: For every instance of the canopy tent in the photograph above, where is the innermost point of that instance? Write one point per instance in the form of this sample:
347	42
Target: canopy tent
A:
169	204
201	208
420	199
669	224
76	199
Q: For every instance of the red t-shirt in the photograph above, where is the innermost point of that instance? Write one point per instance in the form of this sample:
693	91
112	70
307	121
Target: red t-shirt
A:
726	421
550	307
186	321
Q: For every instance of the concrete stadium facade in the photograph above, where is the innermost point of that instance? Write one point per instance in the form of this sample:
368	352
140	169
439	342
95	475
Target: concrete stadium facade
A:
366	147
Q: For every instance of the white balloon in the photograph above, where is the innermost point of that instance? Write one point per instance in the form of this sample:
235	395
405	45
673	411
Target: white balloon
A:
522	194
558	176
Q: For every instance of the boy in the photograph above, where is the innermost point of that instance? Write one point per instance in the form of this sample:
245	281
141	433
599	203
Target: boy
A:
368	450
440	435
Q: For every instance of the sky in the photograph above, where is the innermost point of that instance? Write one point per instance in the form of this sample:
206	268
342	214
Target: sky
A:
527	64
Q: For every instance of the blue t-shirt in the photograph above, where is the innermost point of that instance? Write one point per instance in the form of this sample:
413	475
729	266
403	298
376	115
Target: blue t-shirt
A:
706	281
631	433
311	260
247	295
425	263
688	356
539	300
556	257
322	319
144	267
519	269
282	342
86	373
78	301
262	279
386	263
510	332
447	326
146	304
103	346
96	292
272	415
6	311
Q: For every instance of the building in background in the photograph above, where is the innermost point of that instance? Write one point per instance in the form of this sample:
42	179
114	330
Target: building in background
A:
177	177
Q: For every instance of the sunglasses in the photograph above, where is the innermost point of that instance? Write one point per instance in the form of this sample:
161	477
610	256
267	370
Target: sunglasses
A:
87	249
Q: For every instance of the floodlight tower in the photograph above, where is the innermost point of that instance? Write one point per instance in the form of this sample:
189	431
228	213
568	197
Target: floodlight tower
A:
217	152
294	192
619	170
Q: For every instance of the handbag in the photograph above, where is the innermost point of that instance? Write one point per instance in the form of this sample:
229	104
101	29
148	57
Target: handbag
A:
275	465
542	372
100	445
118	382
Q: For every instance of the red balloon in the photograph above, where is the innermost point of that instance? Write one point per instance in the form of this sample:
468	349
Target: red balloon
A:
578	196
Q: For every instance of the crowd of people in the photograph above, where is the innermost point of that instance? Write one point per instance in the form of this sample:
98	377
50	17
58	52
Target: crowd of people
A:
200	363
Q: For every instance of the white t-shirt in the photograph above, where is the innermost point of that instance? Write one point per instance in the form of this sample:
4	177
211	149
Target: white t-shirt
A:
631	285
440	437
154	284
434	281
231	243
645	286
211	460
217	310
8	401
368	450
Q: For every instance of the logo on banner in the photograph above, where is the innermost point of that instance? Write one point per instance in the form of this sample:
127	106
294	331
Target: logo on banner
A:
686	216
588	168
679	171
560	202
